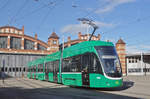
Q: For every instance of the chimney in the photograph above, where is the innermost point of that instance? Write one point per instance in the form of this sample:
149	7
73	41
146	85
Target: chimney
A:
99	36
36	36
22	30
69	39
79	35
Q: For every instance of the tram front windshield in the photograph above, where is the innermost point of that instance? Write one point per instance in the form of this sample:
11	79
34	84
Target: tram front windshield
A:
109	60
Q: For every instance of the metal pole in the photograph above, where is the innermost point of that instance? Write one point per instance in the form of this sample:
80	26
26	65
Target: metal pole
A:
127	65
63	42
61	60
145	70
141	63
92	34
89	22
87	31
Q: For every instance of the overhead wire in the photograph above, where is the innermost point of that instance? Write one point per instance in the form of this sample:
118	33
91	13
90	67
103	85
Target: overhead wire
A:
54	4
125	25
5	4
32	12
24	4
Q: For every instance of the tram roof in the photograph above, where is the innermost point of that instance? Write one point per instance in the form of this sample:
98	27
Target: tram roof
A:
72	50
83	47
90	44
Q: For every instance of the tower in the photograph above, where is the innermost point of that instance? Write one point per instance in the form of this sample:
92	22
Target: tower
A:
121	50
53	43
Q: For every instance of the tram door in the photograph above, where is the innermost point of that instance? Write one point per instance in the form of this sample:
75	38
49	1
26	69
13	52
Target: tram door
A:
34	72
85	61
46	72
55	70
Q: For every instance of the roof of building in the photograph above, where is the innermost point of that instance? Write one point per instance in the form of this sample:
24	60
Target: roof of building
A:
10	27
120	41
54	35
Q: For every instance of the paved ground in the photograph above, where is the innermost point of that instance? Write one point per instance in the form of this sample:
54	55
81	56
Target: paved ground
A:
18	88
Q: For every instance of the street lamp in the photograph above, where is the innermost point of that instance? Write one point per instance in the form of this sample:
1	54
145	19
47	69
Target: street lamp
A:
89	22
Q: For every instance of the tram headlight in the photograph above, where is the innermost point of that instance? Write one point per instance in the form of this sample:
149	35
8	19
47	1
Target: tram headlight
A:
117	82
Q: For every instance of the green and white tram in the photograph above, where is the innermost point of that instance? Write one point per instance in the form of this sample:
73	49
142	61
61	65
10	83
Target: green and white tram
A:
91	64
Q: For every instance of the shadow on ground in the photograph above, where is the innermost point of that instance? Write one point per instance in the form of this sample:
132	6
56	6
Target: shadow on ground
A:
126	85
56	93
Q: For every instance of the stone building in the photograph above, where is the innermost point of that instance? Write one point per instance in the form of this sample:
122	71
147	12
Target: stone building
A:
17	49
138	64
81	38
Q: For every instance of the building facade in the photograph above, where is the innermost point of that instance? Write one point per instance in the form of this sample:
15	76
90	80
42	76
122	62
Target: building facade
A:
81	38
138	64
17	49
121	50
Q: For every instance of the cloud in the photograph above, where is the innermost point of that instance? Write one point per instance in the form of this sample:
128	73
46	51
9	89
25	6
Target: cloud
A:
102	24
111	5
75	28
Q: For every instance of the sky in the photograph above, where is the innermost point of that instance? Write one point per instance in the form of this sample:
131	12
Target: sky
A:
125	19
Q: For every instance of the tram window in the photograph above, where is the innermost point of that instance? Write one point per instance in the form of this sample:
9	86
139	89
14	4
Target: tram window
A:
34	68
56	65
75	64
72	64
49	66
31	69
41	67
38	68
95	66
85	62
66	64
